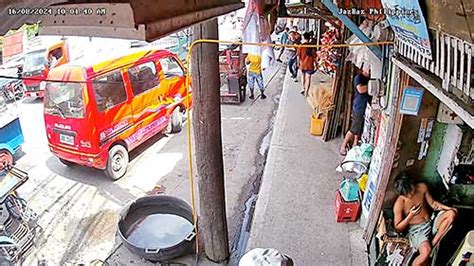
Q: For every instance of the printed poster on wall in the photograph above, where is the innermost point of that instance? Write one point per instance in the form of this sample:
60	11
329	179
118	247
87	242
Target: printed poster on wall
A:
375	165
407	21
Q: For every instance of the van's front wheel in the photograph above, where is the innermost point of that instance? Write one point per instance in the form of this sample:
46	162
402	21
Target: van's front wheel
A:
117	162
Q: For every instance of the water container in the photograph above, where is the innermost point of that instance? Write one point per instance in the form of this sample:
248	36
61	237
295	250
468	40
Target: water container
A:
317	126
349	189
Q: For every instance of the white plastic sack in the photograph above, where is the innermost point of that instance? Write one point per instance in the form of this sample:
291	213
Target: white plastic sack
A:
251	34
257	30
265	257
268	56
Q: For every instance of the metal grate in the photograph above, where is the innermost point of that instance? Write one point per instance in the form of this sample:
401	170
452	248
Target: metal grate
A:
451	61
23	235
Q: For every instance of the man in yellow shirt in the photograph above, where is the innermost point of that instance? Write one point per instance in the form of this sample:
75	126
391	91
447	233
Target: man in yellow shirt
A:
255	74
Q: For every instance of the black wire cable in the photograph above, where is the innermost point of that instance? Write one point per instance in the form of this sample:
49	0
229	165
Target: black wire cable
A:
59	80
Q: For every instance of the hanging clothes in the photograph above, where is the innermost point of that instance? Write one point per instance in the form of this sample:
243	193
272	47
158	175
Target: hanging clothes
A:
256	29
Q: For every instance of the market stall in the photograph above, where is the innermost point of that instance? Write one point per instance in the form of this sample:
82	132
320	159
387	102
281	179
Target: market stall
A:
420	137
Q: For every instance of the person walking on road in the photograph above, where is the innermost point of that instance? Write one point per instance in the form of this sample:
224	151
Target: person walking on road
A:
295	38
255	74
307	59
359	104
283	41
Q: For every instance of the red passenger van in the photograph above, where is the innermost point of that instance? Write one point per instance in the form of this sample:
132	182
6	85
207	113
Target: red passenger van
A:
96	113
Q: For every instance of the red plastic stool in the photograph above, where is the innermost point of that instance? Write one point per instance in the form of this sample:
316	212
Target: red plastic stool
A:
346	211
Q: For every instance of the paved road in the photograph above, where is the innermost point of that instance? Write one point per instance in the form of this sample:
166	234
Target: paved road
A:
79	206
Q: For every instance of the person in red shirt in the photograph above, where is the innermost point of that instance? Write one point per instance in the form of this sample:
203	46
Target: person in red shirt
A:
307	61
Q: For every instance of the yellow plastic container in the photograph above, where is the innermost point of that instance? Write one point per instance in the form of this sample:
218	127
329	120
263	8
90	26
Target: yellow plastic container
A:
363	182
317	126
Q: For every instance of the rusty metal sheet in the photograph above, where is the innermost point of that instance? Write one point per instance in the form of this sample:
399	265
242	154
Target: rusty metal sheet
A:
450	17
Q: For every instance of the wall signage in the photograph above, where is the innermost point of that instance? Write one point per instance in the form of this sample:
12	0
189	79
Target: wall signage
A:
409	25
411	101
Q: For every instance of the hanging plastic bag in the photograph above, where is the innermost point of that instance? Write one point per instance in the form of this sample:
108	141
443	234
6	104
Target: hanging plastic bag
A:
268	56
362	154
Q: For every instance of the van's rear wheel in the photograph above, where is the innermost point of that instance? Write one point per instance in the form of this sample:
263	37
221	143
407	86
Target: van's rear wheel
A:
65	162
117	162
176	122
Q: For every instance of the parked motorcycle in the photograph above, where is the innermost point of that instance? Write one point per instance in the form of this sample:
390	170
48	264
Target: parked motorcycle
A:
14	91
18	222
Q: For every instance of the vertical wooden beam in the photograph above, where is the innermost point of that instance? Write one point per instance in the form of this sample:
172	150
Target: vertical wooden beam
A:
208	142
468	72
454	42
447	75
443	57
405	49
418	58
461	71
438	54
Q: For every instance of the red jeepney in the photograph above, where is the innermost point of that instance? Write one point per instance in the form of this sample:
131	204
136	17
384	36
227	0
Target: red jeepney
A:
97	112
36	67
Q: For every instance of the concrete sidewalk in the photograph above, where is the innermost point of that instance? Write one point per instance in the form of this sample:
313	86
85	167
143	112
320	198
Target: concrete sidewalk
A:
294	212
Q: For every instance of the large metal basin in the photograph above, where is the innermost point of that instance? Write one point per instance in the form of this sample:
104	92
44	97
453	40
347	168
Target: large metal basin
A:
157	228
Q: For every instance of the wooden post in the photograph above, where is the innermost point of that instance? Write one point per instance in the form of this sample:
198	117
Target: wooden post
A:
208	142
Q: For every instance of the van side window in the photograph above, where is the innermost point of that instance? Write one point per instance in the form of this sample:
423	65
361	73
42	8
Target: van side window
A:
143	77
171	68
109	90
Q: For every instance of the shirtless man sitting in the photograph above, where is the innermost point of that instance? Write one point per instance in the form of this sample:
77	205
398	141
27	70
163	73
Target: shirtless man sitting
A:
413	209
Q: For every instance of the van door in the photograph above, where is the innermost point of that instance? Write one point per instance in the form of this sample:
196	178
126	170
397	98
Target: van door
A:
114	114
147	103
172	78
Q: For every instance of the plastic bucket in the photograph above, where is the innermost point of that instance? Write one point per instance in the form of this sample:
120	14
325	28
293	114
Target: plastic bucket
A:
317	126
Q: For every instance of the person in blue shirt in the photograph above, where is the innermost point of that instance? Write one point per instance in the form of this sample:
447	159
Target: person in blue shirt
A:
283	41
359	104
293	38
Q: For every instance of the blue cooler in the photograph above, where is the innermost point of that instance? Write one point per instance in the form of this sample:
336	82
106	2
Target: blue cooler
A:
349	190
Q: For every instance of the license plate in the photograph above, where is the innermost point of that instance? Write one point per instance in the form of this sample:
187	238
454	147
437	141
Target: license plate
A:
66	139
33	94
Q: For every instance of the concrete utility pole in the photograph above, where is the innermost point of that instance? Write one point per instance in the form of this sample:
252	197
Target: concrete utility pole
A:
208	142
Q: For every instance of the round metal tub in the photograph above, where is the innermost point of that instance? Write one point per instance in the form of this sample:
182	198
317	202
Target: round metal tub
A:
157	228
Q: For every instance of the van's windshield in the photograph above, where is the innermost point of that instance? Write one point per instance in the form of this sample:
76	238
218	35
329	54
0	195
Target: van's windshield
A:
64	99
35	60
